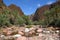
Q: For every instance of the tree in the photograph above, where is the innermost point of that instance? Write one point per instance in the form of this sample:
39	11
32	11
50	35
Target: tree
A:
27	20
16	18
47	15
4	19
55	16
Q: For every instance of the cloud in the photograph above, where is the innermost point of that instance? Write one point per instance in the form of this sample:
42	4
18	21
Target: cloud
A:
38	5
49	2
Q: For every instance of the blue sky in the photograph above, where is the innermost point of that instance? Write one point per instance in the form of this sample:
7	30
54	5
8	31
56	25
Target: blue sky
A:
28	6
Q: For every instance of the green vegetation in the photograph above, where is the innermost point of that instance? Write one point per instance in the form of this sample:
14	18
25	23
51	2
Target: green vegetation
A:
8	18
52	17
4	18
27	20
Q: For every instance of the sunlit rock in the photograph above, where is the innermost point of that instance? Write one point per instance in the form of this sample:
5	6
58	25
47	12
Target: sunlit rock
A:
39	30
27	30
48	31
57	31
2	36
32	28
17	35
40	34
21	38
21	29
20	32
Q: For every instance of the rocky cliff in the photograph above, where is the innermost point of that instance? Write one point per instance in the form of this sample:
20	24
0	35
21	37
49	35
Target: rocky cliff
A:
40	11
2	6
14	7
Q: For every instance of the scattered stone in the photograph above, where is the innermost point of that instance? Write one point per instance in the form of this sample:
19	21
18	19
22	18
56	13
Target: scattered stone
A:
17	35
22	38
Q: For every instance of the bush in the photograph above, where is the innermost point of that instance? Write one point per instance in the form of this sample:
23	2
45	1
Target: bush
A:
36	23
4	19
8	18
27	20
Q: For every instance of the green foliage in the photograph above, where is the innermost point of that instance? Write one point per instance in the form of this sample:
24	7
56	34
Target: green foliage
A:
18	20
47	13
52	17
8	18
36	22
4	19
27	20
29	26
57	22
42	22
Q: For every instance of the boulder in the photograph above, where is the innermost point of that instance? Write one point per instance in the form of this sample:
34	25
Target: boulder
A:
22	38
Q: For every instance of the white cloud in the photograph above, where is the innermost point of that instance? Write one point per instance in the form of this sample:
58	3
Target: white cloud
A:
38	5
49	2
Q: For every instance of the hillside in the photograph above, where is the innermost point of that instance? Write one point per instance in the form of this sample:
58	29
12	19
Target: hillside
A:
40	11
48	13
10	15
13	7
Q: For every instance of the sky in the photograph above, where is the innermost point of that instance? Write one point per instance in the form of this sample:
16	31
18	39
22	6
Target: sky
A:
29	6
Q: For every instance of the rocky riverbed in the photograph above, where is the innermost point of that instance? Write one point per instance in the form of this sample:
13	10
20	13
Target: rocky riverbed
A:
33	33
